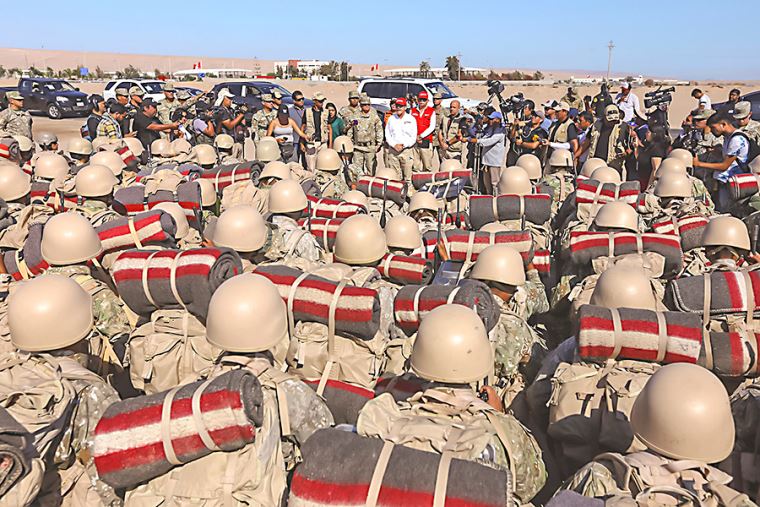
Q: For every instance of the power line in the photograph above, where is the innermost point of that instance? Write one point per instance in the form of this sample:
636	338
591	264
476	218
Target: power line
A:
610	47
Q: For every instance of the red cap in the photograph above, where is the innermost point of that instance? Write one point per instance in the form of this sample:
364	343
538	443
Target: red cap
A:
401	101
422	95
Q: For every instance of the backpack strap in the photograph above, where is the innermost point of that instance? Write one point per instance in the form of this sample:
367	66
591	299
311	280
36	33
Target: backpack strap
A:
504	439
23	269
706	321
133	232
331	352
145	284
444	465
291	300
379	472
278	378
646	496
165	428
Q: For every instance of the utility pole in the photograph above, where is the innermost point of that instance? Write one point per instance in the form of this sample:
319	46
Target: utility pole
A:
459	67
610	47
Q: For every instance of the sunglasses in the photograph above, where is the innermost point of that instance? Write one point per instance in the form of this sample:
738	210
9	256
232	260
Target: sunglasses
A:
299	99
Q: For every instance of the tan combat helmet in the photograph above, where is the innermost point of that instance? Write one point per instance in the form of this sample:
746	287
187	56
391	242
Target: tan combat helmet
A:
208	192
624	287
423	201
178	214
683	155
224	142
452	346
95	181
287	196
561	158
515	180
205	155
450	165
386	173
14	183
591	165
402	232
275	169
181	146
671	165
673	185
356	197
81	146
726	231
684	413
49	312
494	227
267	149
501	264
531	164
343	144
111	160
134	145
46	139
103	143
161	148
51	166
617	215
241	228
329	161
246	314
606	175
359	240
69	238
754	166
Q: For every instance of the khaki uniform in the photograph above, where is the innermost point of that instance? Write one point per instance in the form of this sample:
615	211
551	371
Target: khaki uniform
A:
314	147
366	132
576	102
559	185
260	122
294	242
449	128
245	192
16	123
400	161
332	185
165	110
347	114
97	212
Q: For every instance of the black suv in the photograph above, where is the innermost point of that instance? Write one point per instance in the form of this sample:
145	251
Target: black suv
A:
250	92
55	97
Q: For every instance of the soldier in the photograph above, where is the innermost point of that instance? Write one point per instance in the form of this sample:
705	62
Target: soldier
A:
440	118
94	186
267	150
402	235
15	186
573	100
743	114
181	148
261	119
51	168
14	120
317	128
615	132
329	178
111	160
423	208
366	133
449	136
560	178
532	166
348	112
726	242
287	205
122	97
48	142
345	148
168	105
224	144
79	151
160	153
452	350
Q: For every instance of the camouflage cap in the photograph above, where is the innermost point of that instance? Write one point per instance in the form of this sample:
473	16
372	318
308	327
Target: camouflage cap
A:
741	110
364	100
353	94
169	87
136	90
319	96
14	95
124	92
267	97
277	94
183	95
437	96
701	114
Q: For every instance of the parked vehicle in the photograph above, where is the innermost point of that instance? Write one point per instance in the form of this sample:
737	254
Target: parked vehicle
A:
153	88
752	97
54	97
382	90
249	92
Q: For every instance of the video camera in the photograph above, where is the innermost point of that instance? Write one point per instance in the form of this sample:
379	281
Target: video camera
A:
659	96
513	104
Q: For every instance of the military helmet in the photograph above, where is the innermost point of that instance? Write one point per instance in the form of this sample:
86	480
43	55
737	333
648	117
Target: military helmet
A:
47	138
205	154
423	201
69	238
51	166
287	196
450	165
181	146
359	240
683	155
178	214
684	413
24	143
356	197
49	312
606	175
328	160
671	165
387	173
754	166
111	160
343	144
161	148
246	314
499	263
617	215
95	181
275	169
590	165
561	158
241	228
494	227
14	183
726	231
515	180
402	232
208	192
624	287
224	142
531	164
267	149
134	145
673	185
452	346
80	146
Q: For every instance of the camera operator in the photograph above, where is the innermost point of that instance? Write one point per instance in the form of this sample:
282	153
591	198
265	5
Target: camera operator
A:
610	138
530	137
493	143
628	102
202	125
227	120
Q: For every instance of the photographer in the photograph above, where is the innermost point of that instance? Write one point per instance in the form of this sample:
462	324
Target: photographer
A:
530	137
202	125
493	144
227	121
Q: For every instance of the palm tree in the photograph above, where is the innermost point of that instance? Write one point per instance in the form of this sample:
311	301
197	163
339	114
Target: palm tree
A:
425	68
452	67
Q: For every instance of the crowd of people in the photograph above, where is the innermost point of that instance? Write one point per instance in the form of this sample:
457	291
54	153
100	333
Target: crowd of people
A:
511	305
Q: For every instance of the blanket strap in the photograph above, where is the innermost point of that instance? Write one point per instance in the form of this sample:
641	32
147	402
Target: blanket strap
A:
325	236
706	322
522	206
166	426
594	204
416	303
470	244
387	264
200	426
450	299
616	332
610	244
444	465
662	338
377	475
145	284
173	280
331	352
495	208
133	232
291	300
216	180
639	244
750	299
23	269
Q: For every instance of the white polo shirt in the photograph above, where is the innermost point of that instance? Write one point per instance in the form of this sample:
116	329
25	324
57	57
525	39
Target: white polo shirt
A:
401	130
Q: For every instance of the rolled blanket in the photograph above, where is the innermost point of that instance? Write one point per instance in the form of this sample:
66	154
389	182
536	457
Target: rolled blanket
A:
9	148
323	229
16	451
27	262
322	207
594	192
689	229
129	158
536	208
734	354
309	297
149	280
225	175
132	200
409	478
311	188
542	261
413	302
43	192
372	186
465	246
149	228
419	180
405	270
586	246
744	185
643	335
728	292
343	399
135	441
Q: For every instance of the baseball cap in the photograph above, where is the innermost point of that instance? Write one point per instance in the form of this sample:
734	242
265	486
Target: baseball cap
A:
136	90
741	110
401	101
563	106
283	109
625	84
438	96
550	104
148	103
319	96
122	91
365	100
117	108
183	95
422	95
14	95
277	94
169	87
353	94
225	93
266	97
496	115
701	114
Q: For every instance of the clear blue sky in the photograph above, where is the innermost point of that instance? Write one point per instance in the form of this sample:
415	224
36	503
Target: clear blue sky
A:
664	38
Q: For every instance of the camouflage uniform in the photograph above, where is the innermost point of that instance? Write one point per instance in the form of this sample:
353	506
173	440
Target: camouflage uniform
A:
229	159
245	192
366	132
260	122
347	113
332	185
97	212
165	109
295	242
559	185
16	123
752	129
281	250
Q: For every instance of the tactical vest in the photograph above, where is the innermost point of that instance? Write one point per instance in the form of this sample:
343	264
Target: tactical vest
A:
615	147
559	134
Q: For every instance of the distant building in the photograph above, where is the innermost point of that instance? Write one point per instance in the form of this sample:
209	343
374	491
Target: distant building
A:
226	73
303	68
435	72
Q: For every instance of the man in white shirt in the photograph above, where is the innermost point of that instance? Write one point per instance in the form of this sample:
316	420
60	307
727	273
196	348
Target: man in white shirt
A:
401	137
704	102
627	102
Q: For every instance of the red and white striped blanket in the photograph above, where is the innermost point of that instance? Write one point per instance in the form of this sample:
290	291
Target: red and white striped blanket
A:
149	228
323	229
372	186
594	192
225	175
132	200
744	185
689	229
465	246
586	246
730	292
322	207
405	270
27	262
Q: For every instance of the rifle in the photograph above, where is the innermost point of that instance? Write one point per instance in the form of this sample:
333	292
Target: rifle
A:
346	171
308	217
458	219
437	254
383	220
754	239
